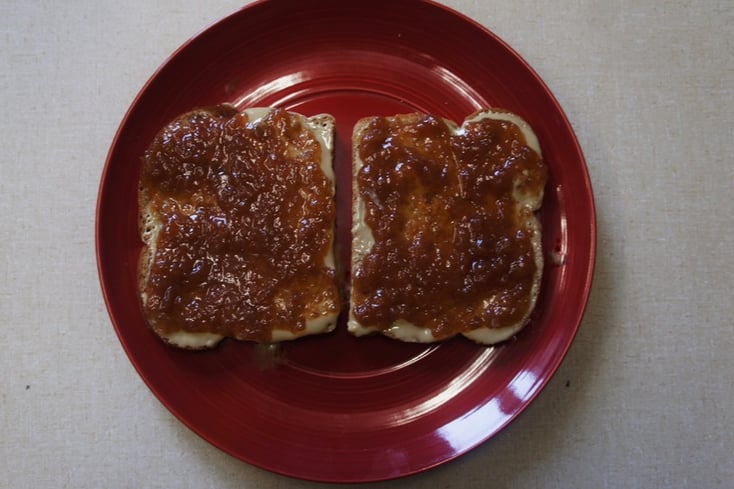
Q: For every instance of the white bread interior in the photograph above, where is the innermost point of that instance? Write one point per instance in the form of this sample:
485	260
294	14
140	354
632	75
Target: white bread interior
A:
320	319
363	240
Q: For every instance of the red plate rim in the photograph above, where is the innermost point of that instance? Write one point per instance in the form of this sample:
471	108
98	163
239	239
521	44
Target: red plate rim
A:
582	279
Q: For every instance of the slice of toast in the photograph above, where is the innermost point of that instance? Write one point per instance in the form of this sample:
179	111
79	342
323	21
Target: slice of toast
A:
445	237
237	218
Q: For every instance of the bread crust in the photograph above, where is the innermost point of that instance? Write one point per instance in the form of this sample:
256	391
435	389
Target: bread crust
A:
362	238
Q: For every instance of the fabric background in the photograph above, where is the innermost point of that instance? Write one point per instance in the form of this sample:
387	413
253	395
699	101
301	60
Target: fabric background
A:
645	397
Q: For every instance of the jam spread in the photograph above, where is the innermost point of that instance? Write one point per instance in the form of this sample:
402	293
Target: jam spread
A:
452	250
246	217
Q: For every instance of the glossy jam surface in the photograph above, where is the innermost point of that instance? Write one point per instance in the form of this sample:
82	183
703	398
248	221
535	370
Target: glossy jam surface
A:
452	249
246	216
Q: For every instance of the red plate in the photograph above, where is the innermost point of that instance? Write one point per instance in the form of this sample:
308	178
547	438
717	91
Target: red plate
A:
336	408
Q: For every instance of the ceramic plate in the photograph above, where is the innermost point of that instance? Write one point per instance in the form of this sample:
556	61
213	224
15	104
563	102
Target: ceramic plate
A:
336	408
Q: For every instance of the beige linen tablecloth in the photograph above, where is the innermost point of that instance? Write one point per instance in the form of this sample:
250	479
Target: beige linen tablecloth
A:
645	397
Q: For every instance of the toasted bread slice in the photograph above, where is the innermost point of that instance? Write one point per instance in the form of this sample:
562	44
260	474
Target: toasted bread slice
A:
445	238
237	219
